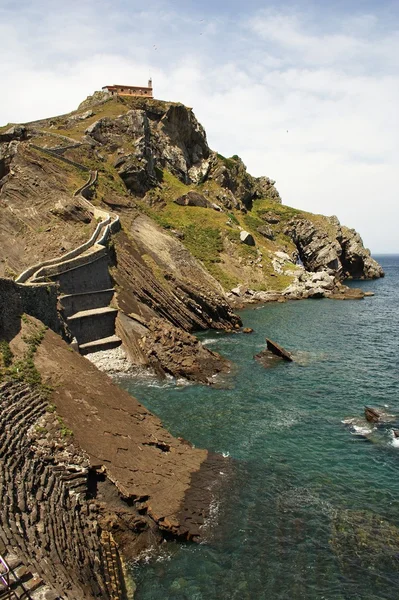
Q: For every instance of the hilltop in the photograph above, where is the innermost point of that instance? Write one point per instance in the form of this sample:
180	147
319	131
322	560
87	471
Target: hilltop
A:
149	154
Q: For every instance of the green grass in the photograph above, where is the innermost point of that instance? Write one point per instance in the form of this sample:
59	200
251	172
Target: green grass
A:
24	369
6	353
228	162
64	430
205	243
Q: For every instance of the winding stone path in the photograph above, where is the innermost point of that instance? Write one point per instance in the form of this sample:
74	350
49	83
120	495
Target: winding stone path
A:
85	287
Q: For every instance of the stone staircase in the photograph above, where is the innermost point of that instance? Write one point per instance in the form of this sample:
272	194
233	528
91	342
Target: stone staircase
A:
85	286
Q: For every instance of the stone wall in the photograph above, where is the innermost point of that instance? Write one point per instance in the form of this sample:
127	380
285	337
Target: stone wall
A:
38	300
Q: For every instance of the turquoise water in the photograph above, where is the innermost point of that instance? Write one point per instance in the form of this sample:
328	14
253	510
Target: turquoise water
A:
296	517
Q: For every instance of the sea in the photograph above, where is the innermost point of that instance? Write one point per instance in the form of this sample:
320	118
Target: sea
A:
310	508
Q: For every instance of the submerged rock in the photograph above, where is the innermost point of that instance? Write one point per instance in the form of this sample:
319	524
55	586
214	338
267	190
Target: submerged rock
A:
365	540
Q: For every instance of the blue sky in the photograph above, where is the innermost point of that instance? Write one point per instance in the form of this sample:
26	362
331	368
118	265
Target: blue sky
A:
305	92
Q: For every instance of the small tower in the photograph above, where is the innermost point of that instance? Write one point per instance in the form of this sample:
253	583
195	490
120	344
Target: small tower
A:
150	83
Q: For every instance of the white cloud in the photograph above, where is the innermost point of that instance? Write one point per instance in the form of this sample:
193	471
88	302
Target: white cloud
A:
335	90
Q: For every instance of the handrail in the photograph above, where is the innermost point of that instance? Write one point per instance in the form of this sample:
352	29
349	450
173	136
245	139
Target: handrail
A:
5	574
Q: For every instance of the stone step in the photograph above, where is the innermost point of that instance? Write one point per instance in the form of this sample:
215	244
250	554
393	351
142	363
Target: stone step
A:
73	303
107	343
94	324
92	312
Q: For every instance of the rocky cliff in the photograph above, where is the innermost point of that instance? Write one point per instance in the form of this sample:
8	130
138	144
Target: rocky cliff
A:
197	235
333	247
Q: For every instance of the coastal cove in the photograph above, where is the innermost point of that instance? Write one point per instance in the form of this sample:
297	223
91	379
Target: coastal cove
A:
311	509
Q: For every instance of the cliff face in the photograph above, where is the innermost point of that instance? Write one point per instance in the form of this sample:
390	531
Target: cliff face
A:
333	247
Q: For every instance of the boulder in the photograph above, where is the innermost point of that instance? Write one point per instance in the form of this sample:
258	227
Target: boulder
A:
82	116
193	199
15	133
247	330
247	238
266	231
270	217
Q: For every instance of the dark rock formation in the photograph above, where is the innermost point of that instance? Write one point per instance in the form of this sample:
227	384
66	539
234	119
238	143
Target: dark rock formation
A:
247	238
137	168
163	135
332	247
178	353
278	350
269	357
375	415
266	231
231	174
270	217
15	133
193	199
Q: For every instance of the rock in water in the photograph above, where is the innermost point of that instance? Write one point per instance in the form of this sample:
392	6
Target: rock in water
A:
278	350
374	415
272	354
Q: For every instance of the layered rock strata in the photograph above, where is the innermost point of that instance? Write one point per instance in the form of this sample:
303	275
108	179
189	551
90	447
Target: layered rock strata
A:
89	477
45	516
337	249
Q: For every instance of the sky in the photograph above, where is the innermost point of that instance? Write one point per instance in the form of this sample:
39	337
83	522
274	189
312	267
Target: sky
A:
304	92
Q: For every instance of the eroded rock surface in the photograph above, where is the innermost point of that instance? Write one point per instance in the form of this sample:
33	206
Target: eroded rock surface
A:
334	248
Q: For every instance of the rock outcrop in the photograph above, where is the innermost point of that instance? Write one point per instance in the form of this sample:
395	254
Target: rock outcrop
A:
334	248
175	352
231	174
166	136
193	199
